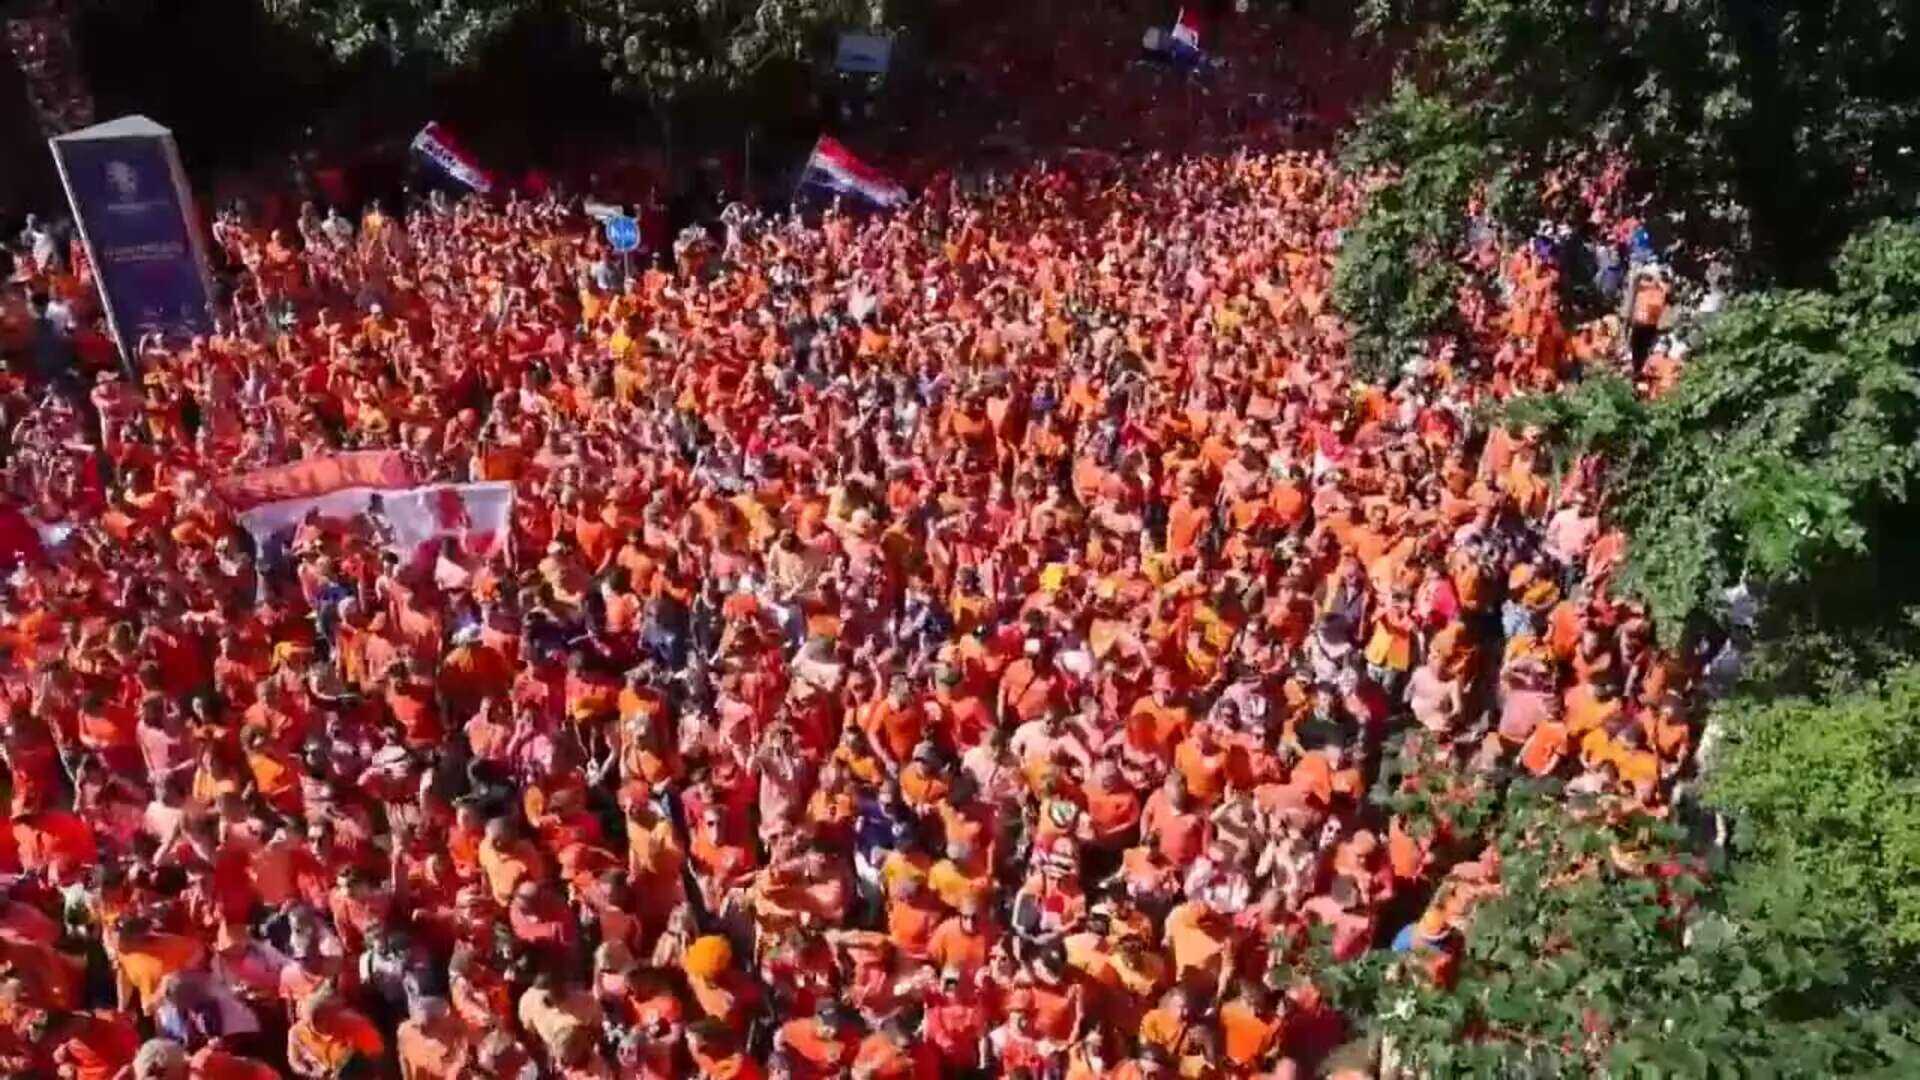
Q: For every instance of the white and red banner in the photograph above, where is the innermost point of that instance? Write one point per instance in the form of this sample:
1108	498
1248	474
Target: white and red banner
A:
477	517
833	167
438	146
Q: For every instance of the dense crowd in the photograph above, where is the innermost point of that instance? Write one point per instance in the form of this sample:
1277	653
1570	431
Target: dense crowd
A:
986	639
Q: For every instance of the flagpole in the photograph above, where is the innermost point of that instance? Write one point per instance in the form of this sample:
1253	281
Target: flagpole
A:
800	178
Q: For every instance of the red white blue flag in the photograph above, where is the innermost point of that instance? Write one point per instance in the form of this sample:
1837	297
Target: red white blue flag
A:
1183	41
438	146
833	167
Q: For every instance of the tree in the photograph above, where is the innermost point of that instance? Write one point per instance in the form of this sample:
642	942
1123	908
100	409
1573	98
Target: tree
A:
1771	130
661	50
1829	791
1608	952
1767	133
1400	274
1784	456
452	31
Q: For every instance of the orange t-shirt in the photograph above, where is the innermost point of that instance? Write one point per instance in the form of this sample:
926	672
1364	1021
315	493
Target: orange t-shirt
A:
337	1040
506	868
1186	524
1544	748
147	963
1246	1036
427	1054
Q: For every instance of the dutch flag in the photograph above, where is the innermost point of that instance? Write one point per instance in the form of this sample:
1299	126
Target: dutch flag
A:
1183	42
833	167
438	146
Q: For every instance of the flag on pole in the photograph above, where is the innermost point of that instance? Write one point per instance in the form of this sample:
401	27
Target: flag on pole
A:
833	167
438	146
1183	41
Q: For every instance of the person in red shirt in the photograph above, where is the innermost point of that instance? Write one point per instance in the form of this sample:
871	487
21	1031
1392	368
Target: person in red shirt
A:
94	1045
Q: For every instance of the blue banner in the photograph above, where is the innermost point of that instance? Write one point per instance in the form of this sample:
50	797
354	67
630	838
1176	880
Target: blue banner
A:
123	179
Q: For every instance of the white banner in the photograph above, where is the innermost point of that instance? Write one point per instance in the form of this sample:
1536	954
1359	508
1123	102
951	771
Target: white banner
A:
477	516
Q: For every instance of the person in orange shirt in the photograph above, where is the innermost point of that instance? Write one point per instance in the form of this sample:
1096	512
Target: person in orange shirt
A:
913	912
1188	521
1113	807
717	1055
964	941
1637	768
1647	306
895	1053
1201	761
1592	706
55	842
1545	748
144	958
1157	722
1030	687
818	1046
721	992
1252	1026
328	1038
894	724
1172	1028
506	860
1172	824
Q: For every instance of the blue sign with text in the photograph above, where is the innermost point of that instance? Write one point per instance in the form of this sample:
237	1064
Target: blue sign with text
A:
130	199
623	234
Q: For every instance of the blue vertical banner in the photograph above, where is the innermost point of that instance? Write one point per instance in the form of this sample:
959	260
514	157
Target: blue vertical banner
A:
136	217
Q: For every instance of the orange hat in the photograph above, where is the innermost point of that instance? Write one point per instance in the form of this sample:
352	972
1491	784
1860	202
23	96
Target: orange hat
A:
708	957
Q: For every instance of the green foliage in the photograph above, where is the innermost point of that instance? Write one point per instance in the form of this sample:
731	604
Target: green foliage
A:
1773	130
453	31
1783	456
1399	277
662	49
1588	963
1602	414
1829	791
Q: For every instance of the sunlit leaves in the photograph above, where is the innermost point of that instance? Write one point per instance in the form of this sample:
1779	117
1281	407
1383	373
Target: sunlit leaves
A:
1585	964
660	48
1795	427
1829	791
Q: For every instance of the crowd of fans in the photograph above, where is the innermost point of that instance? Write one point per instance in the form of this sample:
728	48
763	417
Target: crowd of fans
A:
985	639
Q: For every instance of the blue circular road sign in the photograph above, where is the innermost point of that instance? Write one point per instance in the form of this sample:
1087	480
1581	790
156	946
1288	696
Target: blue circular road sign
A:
623	234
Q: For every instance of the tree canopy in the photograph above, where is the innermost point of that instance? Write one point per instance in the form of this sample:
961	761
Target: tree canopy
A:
660	48
1399	276
1784	456
1770	131
1778	140
1607	953
1829	792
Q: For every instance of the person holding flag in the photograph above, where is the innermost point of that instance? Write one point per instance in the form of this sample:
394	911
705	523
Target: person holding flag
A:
1183	41
832	167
